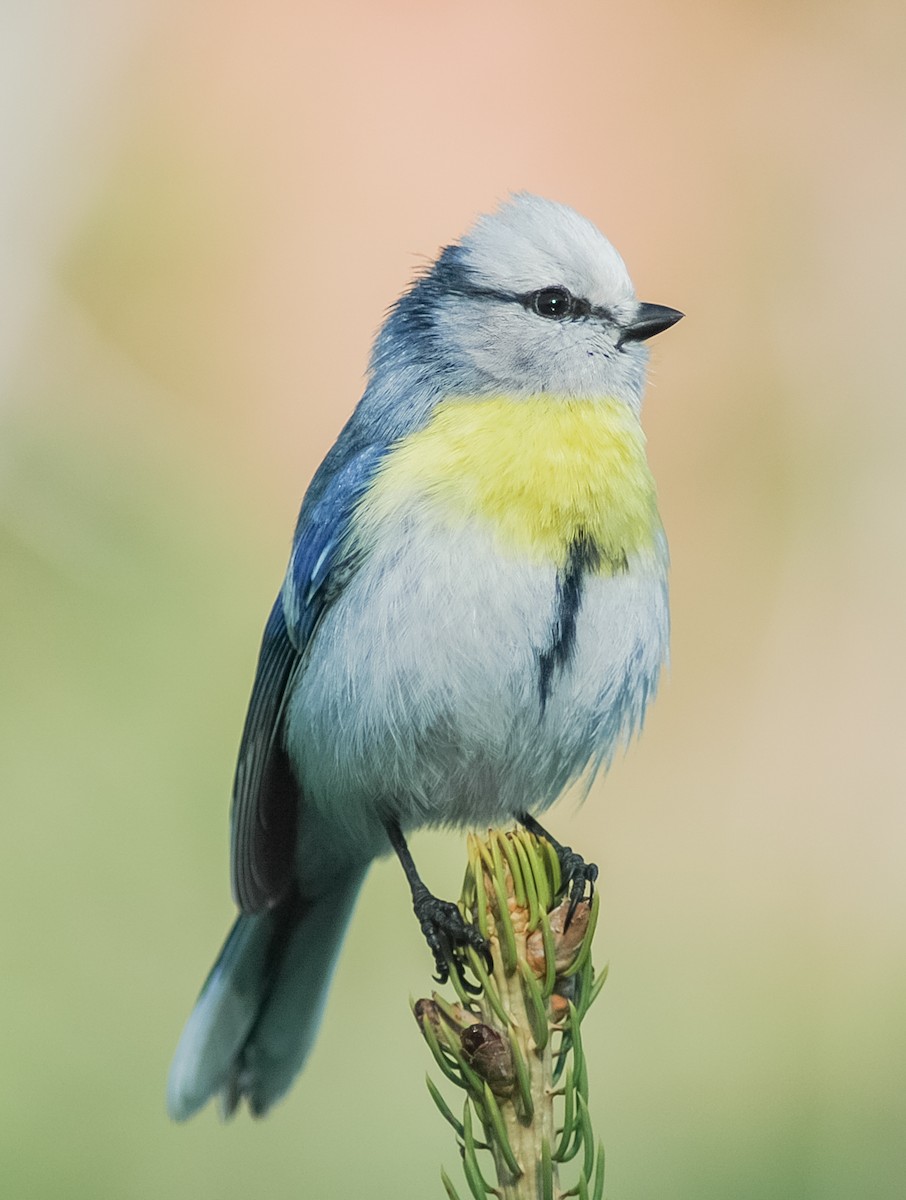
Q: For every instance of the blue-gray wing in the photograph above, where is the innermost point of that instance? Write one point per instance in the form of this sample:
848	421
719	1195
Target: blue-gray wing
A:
266	799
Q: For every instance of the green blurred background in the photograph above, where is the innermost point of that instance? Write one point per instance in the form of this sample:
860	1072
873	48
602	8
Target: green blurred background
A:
206	209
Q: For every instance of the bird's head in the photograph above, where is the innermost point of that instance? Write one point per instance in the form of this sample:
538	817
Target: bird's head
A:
533	299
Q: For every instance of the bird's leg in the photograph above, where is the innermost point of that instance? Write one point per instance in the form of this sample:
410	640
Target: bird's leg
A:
575	872
441	921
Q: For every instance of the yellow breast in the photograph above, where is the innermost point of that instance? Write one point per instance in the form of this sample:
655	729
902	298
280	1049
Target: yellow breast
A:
544	472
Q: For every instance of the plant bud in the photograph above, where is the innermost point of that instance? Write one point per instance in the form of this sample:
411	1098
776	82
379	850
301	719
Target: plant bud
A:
566	944
426	1012
489	1055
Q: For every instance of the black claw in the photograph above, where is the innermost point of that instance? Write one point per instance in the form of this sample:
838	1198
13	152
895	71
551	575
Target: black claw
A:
576	875
447	934
472	988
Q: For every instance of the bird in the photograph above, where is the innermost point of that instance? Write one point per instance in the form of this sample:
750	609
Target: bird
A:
474	617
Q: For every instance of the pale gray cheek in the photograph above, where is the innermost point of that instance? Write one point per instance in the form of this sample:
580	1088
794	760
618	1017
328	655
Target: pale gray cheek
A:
512	364
624	374
535	368
591	365
554	359
635	361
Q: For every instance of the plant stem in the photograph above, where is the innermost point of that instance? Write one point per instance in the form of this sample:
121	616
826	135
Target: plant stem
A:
509	1043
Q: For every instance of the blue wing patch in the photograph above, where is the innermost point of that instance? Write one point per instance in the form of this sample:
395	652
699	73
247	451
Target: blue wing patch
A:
319	542
266	797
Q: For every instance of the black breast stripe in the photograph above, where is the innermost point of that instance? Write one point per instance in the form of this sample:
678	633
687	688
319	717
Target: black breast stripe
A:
583	557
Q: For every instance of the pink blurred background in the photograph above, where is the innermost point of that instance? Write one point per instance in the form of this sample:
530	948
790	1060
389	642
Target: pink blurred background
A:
206	210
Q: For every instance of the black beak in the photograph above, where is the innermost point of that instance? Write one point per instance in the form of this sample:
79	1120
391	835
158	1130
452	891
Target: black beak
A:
649	319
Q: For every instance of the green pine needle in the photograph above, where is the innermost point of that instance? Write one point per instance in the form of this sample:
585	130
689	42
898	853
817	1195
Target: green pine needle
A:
499	1045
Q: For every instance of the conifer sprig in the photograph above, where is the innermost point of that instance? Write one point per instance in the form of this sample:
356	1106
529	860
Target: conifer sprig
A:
514	1047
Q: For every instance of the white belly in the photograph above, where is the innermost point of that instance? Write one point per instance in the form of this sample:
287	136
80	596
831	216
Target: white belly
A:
421	695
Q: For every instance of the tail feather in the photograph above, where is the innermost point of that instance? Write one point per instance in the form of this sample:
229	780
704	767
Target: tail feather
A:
258	1013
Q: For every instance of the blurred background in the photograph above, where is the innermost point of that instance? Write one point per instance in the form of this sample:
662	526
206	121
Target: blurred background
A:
206	208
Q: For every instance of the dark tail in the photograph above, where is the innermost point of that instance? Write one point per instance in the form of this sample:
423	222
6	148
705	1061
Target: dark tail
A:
256	1019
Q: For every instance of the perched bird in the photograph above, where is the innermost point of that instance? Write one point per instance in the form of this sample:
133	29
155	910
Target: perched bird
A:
474	617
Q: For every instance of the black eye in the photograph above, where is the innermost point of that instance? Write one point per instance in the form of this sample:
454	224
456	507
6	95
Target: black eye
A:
553	302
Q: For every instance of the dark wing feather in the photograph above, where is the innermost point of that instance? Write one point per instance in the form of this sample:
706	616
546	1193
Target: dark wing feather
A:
265	792
263	830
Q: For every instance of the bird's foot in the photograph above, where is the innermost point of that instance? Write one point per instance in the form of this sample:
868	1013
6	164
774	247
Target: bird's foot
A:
575	873
575	876
448	934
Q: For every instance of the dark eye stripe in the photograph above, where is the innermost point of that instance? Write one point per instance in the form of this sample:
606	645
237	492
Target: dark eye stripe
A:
574	309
